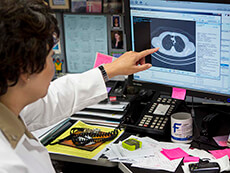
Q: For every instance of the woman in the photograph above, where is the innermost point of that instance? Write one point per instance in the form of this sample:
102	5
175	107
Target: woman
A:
117	42
28	98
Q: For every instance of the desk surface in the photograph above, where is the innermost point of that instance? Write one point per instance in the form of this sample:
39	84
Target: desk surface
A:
222	127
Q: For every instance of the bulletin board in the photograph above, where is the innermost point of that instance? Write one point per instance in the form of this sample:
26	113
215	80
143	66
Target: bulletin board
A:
85	35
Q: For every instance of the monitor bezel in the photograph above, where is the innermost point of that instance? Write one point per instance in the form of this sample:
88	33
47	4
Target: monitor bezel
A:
163	87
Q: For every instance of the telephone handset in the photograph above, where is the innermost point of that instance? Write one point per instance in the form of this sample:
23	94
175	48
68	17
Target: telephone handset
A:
155	117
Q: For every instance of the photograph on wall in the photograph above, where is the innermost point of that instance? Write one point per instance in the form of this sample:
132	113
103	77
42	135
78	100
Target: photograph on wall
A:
78	6
116	21
59	4
117	39
94	6
176	39
112	6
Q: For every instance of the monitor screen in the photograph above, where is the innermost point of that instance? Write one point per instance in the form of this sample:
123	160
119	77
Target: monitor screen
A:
84	36
194	42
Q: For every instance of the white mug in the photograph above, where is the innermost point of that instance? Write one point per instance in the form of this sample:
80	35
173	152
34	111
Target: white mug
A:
181	127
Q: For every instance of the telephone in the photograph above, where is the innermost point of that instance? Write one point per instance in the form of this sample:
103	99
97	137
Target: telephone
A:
155	118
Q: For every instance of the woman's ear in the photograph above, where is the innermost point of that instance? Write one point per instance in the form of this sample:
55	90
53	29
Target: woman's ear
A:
25	77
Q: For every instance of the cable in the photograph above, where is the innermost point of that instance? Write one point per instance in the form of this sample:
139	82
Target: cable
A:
196	133
88	137
85	136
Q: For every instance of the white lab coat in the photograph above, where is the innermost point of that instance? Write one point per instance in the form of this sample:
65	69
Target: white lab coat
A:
66	95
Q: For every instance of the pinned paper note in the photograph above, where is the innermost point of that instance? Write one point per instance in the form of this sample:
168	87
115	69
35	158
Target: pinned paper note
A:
178	93
102	59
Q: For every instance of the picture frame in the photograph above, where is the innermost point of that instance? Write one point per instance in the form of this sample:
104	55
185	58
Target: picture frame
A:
116	21
94	6
78	6
117	39
59	4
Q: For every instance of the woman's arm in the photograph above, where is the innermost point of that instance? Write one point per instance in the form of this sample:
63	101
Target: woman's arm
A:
66	95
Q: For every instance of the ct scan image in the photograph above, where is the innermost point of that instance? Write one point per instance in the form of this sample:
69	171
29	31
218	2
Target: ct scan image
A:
176	40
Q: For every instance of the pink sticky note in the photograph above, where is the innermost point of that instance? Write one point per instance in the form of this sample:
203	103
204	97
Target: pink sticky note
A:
102	59
191	159
220	153
174	153
178	93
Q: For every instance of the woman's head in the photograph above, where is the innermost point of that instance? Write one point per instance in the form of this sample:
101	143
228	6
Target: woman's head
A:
116	22
117	36
28	28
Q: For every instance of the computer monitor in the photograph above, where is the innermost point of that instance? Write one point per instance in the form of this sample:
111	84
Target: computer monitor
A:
85	35
194	42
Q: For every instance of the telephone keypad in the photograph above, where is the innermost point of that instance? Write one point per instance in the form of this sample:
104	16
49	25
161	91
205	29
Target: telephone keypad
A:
157	116
154	122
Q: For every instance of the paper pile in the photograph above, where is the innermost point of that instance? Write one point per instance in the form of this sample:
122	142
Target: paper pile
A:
149	156
163	155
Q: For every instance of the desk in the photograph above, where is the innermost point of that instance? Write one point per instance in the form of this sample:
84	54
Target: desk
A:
107	166
102	164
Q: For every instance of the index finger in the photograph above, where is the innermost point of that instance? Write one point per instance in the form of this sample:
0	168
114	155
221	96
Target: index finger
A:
147	52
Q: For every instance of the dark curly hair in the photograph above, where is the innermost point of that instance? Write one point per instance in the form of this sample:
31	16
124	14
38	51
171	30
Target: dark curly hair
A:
27	29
